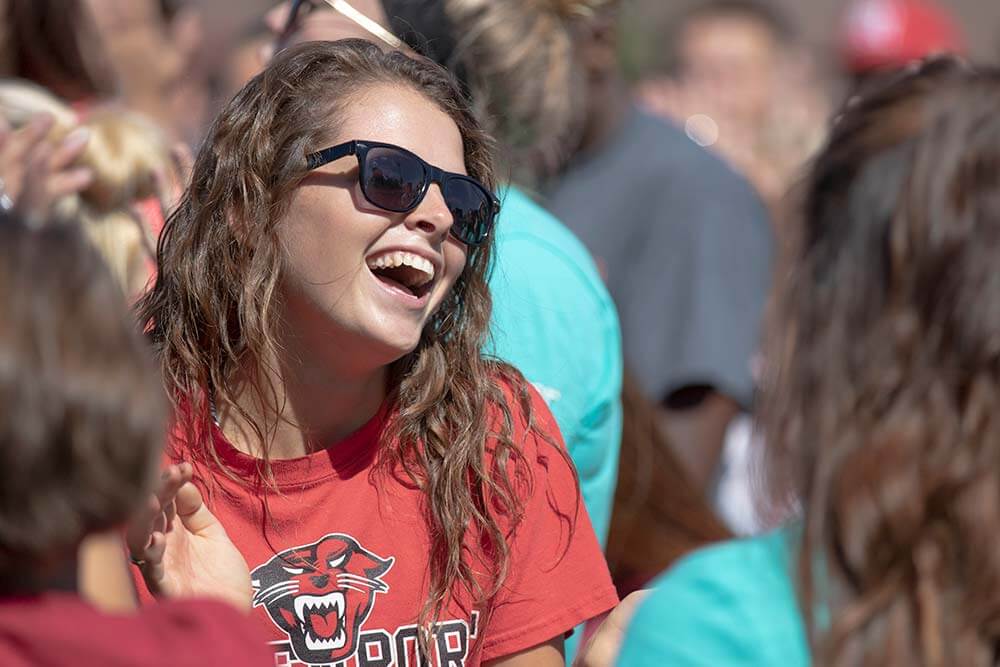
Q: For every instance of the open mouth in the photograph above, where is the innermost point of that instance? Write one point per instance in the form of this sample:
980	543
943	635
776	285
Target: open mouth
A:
403	271
321	618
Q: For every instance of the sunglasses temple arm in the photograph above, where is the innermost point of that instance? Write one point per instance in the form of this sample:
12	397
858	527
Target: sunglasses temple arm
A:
328	155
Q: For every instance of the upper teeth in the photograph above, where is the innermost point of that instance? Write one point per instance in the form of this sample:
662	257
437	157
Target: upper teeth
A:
391	260
323	604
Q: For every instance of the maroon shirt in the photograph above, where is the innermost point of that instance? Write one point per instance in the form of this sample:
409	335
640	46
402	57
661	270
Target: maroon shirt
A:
61	629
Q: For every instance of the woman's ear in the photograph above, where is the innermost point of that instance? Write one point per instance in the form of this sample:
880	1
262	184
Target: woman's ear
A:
238	226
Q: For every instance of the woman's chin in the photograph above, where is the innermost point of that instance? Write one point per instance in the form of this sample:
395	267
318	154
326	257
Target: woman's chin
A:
393	346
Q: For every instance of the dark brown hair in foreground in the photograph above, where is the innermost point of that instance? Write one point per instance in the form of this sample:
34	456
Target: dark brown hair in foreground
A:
883	392
83	408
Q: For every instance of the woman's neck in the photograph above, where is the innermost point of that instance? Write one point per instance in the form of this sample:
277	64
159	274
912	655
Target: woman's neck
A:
318	404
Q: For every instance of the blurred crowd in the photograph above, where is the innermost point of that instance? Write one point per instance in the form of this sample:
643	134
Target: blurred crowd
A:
744	290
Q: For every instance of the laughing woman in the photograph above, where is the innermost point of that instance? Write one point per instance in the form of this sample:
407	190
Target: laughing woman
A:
320	305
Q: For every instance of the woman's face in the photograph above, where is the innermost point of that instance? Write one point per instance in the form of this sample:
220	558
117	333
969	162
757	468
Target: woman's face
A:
336	245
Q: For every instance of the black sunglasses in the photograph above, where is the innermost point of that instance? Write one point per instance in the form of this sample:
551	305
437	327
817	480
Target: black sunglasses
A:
395	179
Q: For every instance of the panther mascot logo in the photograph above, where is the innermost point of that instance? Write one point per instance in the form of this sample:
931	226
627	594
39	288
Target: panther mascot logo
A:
320	594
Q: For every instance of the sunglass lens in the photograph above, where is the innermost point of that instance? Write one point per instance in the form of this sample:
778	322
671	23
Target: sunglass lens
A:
393	180
471	208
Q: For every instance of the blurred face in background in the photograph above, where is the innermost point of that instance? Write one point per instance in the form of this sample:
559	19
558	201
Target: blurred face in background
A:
316	20
157	61
737	56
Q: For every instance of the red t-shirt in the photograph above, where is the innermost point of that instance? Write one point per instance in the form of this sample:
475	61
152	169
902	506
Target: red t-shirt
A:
60	629
340	566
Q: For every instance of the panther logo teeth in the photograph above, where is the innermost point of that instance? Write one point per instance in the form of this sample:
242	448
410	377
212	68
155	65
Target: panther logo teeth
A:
320	594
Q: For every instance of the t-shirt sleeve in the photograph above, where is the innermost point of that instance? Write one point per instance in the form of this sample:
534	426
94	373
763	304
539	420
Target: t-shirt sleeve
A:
697	284
719	329
557	576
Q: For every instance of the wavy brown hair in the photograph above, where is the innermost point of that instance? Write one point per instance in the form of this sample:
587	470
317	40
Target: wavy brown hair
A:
212	312
881	403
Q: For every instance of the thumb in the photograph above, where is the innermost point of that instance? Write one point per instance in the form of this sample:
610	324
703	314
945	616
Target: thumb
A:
192	511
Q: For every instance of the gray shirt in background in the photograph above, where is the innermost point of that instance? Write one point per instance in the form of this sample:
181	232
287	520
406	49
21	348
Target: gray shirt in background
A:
685	245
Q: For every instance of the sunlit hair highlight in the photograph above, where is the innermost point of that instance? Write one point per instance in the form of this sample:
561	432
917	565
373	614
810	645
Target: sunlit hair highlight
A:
881	398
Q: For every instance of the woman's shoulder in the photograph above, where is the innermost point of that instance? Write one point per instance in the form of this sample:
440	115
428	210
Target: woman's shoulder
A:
731	603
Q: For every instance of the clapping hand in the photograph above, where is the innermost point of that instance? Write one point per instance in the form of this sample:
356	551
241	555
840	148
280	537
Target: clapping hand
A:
182	549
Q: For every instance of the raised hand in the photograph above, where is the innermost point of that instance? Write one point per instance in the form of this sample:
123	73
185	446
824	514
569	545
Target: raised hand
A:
37	173
183	550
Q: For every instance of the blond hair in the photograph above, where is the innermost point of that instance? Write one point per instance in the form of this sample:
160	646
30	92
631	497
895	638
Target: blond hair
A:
125	152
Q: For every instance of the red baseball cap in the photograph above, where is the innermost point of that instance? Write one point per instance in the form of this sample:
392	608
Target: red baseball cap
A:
891	33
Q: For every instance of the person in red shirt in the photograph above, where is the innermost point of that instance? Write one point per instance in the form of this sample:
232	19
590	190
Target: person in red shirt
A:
81	435
319	310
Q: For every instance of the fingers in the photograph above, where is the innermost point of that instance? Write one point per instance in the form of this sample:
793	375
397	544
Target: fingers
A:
146	536
69	149
69	182
62	179
37	173
192	511
172	479
19	143
153	517
153	569
19	149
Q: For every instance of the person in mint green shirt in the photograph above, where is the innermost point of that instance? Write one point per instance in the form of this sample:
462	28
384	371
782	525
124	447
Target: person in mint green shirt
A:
732	605
554	320
880	408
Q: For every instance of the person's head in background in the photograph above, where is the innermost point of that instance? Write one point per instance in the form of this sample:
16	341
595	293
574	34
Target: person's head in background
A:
128	157
141	53
515	59
878	37
880	403
248	55
738	48
157	49
84	417
56	44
